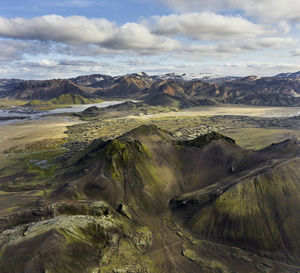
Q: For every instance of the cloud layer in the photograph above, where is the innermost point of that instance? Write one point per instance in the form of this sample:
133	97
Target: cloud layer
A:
207	26
200	34
264	9
154	36
79	29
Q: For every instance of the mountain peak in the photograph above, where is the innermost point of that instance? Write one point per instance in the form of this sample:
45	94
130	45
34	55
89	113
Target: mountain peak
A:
146	131
289	75
208	138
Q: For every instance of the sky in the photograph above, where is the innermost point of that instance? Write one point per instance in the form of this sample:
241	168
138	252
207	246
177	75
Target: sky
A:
43	39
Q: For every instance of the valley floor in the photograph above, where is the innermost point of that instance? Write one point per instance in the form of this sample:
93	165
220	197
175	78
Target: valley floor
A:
35	148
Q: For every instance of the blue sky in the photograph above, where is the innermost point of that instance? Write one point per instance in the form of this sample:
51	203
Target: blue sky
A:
116	10
66	38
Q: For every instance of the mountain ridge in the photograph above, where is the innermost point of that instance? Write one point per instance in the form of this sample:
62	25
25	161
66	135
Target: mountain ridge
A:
251	90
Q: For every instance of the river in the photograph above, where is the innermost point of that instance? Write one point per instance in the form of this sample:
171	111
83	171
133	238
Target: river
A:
14	114
17	113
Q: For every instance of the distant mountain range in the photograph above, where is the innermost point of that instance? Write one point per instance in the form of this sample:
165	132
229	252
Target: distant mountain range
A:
169	89
289	75
9	84
205	77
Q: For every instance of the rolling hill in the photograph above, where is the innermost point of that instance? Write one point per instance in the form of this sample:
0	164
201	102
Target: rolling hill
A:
66	99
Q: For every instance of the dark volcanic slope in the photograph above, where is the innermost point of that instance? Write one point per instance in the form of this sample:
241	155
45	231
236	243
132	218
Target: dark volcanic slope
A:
145	202
182	94
128	86
7	85
45	90
95	80
262	91
250	90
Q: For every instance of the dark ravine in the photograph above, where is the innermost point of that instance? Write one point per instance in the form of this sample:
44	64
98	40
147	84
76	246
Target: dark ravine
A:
146	202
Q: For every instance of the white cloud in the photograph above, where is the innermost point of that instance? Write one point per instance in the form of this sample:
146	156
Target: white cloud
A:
13	50
259	44
78	35
295	52
48	68
136	36
276	42
212	51
206	25
227	49
79	29
264	9
265	69
73	29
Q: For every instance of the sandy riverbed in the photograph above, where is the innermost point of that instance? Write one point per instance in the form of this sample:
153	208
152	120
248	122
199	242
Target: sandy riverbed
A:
228	110
19	133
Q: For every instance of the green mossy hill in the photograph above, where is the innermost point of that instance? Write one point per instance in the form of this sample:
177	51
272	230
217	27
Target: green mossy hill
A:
148	131
255	208
221	192
203	140
266	203
66	99
125	170
128	143
144	203
145	168
99	149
